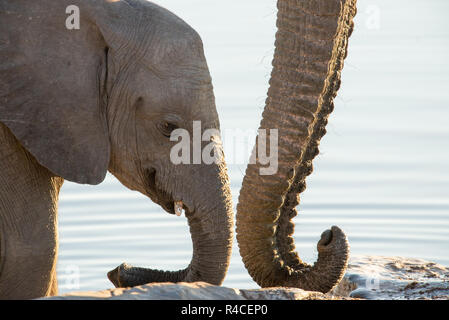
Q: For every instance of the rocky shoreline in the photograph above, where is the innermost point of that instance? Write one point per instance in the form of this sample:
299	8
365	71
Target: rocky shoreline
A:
367	277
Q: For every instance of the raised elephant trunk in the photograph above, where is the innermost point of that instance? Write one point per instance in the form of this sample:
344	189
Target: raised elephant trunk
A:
311	44
211	226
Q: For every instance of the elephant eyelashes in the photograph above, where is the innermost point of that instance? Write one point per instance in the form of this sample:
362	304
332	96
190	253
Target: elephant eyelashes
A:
167	128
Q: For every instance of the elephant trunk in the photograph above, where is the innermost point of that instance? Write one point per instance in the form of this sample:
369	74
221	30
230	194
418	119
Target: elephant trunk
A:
311	44
211	228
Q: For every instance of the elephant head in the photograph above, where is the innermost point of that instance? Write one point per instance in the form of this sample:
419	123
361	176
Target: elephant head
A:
311	44
107	96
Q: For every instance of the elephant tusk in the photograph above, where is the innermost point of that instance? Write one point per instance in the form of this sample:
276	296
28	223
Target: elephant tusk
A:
178	208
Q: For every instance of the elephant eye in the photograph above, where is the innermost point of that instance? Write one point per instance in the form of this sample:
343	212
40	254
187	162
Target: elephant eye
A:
167	128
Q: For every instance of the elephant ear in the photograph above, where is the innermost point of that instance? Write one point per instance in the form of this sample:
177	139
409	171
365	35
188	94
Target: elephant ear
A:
51	89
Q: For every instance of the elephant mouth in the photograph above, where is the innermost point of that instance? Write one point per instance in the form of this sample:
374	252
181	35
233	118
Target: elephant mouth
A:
160	196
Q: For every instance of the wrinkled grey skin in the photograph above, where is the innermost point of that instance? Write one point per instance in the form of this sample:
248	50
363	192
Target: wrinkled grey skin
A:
76	103
311	45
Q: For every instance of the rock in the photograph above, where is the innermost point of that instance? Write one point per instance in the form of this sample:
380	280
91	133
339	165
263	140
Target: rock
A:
193	291
387	278
367	277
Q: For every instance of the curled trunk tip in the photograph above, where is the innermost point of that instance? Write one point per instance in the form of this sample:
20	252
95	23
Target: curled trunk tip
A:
126	275
117	276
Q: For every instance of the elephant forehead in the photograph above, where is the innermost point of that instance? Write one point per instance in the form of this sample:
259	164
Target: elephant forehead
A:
169	41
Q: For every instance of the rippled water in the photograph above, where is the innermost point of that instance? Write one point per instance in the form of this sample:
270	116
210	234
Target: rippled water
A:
383	171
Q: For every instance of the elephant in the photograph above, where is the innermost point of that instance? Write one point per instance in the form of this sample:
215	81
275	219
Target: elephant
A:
106	95
310	47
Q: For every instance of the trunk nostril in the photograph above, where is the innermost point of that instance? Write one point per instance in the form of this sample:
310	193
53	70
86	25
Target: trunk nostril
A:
326	238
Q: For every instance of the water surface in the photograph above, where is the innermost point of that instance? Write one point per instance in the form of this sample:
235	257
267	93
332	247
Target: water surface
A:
382	174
